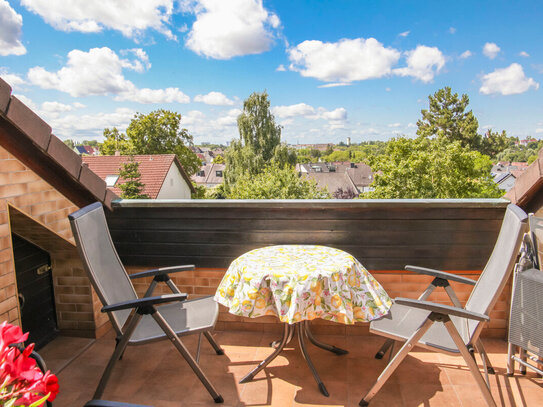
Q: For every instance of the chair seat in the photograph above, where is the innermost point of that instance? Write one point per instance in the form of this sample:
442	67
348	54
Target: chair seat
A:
187	317
402	321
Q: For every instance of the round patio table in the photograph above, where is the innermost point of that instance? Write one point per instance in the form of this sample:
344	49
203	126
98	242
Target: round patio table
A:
298	283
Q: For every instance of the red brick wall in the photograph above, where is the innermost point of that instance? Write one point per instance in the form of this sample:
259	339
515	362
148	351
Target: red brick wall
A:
26	191
397	284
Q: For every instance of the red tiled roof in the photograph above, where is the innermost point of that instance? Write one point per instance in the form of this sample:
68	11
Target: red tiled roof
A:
153	170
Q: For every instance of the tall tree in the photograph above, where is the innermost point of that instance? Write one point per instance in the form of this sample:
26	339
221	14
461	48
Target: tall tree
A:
447	118
259	143
431	168
132	187
494	143
158	132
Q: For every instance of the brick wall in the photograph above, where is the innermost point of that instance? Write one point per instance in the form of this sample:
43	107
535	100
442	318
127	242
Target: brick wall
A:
203	281
29	194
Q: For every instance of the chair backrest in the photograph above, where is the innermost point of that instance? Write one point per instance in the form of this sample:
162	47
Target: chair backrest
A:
499	267
536	233
101	261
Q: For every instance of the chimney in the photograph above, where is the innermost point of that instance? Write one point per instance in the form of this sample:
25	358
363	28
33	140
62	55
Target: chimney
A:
348	141
117	153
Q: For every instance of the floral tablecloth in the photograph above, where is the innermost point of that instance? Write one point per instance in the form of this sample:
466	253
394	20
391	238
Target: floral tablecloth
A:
302	282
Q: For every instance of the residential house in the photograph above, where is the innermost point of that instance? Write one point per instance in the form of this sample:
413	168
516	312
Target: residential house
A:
210	175
87	150
347	176
162	174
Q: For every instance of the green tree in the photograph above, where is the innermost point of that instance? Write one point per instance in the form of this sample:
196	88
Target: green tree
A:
259	144
494	143
218	160
132	186
158	132
70	143
431	168
114	141
338	155
276	182
447	118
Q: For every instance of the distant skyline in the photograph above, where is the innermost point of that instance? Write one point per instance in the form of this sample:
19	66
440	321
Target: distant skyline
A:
333	69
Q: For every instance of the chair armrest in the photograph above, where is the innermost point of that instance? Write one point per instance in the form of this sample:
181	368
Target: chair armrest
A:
142	302
162	271
440	274
442	309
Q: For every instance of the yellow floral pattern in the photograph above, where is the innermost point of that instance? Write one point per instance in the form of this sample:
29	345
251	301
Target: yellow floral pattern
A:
302	282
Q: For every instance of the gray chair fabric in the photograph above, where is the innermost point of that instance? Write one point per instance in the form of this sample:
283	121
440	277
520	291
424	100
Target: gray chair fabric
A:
138	321
418	322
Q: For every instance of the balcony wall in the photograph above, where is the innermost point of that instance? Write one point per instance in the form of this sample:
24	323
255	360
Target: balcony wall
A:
384	235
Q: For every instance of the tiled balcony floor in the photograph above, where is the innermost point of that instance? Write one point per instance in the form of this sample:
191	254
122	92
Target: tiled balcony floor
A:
155	374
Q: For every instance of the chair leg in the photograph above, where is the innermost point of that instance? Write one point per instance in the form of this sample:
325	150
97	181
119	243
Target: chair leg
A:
188	357
484	357
117	353
472	365
510	360
395	362
214	344
388	343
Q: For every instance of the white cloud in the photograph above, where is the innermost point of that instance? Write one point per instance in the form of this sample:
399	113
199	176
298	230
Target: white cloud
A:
452	30
130	17
524	54
214	98
466	54
90	125
11	24
491	50
228	120
539	130
507	81
281	68
343	61
394	125
226	29
404	34
339	114
140	64
147	96
192	117
99	72
287	113
12	79
300	109
334	84
56	107
423	63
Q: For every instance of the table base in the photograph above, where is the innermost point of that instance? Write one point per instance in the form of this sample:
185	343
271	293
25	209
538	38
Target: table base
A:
303	331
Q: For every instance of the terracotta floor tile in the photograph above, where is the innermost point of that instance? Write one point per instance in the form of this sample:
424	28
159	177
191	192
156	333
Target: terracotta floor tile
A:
157	375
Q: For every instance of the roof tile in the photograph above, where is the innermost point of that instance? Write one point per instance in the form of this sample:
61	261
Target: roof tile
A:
5	94
29	122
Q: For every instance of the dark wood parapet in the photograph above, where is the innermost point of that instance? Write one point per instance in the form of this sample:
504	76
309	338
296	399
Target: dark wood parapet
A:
382	234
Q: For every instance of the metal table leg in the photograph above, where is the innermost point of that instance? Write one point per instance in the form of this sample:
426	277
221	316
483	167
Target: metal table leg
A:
303	331
300	328
286	334
320	344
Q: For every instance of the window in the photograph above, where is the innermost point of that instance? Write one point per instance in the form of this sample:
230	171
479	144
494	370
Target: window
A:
218	173
111	180
201	173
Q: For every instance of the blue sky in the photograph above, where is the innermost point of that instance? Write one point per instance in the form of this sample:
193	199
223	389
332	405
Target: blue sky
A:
333	69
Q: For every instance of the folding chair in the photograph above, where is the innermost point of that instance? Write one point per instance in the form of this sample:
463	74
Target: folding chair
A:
138	321
452	329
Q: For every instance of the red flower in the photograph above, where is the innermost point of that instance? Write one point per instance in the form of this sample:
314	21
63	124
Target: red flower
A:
21	381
